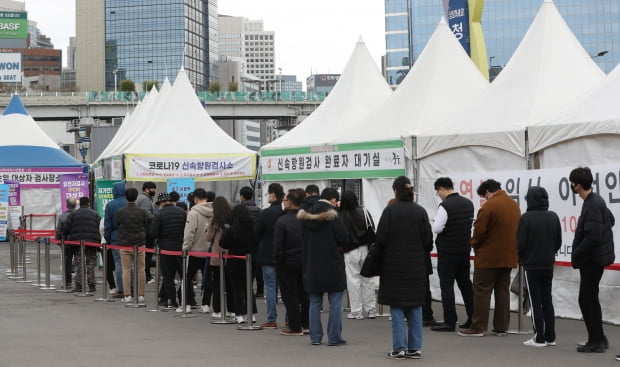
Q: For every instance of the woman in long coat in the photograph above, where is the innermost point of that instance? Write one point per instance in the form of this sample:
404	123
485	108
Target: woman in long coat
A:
403	236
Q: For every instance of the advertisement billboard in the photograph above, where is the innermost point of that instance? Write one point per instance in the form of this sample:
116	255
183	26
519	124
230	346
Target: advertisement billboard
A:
13	25
10	67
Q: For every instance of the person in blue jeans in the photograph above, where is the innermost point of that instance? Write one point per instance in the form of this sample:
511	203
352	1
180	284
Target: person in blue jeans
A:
403	238
110	232
324	235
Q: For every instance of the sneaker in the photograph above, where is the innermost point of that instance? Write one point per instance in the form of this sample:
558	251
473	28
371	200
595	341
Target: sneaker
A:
533	343
112	291
152	281
592	348
551	344
413	354
356	316
140	299
230	314
372	315
583	343
400	355
315	343
290	332
443	327
470	332
270	325
127	299
216	315
305	331
335	344
498	332
617	357
240	319
205	309
188	309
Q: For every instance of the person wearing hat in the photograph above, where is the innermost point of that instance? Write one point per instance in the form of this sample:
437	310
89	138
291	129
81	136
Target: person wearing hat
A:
194	239
167	227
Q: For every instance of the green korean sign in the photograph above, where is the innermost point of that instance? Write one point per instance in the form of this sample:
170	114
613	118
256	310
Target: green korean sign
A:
103	194
13	25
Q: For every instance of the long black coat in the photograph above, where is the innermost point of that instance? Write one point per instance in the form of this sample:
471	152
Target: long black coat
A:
263	231
323	237
594	240
168	227
404	237
82	224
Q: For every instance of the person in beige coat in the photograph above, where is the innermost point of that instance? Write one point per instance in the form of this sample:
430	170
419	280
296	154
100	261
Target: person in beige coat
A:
194	239
220	220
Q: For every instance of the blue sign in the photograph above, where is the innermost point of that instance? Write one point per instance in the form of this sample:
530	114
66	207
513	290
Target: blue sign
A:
184	186
458	20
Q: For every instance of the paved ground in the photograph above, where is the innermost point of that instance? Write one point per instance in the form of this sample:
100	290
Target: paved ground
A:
46	328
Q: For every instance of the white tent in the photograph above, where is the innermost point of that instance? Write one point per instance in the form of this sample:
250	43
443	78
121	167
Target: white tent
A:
360	89
179	139
585	132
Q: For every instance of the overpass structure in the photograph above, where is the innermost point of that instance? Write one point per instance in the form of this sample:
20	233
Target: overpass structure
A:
80	107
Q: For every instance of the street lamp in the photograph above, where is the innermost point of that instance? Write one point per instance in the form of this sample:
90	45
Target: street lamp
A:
115	83
83	143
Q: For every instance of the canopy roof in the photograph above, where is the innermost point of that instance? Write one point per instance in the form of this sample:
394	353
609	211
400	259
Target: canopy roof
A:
548	69
442	80
595	112
179	124
360	89
24	144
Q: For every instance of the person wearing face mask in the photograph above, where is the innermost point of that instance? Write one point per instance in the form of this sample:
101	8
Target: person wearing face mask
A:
495	247
145	201
263	231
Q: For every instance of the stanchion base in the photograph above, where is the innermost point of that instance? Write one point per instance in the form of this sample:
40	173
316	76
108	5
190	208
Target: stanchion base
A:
222	321
185	315
50	288
64	290
23	281
157	310
15	277
104	300
383	315
135	305
83	294
250	327
37	284
519	332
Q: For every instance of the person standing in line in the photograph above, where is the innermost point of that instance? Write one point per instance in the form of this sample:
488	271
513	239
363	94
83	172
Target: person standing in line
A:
453	227
167	228
110	232
194	238
287	244
238	239
312	196
83	225
361	290
404	237
145	201
131	223
495	246
70	251
219	222
593	249
263	231
539	237
324	236
246	198
175	197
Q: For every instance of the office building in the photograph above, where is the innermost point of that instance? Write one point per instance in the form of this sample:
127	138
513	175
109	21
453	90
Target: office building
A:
409	25
321	83
288	83
144	40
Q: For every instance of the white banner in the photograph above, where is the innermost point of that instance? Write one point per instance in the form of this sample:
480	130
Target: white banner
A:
10	67
561	199
207	167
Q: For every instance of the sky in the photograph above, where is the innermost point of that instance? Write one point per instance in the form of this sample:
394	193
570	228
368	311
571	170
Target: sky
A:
315	35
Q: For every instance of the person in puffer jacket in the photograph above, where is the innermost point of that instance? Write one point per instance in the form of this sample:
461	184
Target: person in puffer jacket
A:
539	237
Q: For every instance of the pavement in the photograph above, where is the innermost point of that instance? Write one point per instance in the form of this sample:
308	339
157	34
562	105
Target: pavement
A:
48	328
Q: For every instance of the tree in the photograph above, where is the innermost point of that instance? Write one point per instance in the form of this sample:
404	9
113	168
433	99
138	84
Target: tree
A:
233	86
215	87
127	86
148	85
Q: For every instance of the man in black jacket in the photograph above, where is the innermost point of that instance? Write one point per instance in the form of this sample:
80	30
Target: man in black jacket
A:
131	220
83	225
593	249
324	235
69	250
539	237
287	243
246	199
312	196
263	231
453	227
167	228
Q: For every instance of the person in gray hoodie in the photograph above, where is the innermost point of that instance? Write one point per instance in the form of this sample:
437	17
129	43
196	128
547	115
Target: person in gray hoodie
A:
194	239
539	237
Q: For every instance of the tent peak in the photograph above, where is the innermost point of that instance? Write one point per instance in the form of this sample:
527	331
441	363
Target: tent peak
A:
361	39
15	106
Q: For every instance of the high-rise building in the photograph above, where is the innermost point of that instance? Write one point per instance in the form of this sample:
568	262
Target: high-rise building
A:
409	24
144	40
288	83
321	83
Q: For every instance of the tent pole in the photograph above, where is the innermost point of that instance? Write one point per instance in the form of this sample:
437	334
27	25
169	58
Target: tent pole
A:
415	162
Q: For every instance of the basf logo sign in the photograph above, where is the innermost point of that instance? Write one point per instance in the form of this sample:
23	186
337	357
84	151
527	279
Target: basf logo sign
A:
10	68
13	25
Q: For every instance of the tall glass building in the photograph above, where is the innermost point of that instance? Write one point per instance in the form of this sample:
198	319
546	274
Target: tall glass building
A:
151	39
595	23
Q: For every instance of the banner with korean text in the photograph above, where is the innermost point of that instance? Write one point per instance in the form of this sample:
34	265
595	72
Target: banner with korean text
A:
201	167
356	160
183	186
562	200
75	185
103	194
4	210
37	177
15	208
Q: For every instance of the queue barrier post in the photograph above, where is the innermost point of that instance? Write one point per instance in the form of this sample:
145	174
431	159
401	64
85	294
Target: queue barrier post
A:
83	293
136	289
520	328
22	254
157	279
48	259
104	259
380	312
38	282
12	272
184	314
248	296
63	268
222	319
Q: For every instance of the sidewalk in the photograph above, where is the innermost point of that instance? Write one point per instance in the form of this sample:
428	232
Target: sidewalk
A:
46	328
